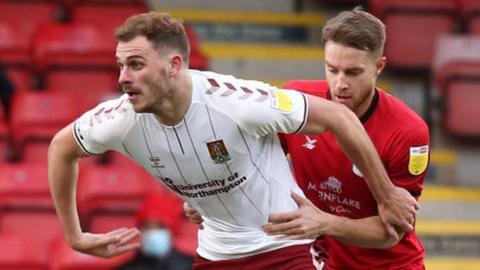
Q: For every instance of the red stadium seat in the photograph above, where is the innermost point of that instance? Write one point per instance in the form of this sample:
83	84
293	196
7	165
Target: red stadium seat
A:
24	185
413	27
37	116
35	152
42	227
66	45
65	258
109	196
457	73
95	11
25	201
16	253
75	58
14	47
471	15
20	18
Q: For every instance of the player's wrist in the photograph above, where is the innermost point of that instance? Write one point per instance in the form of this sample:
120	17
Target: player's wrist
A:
73	236
334	225
383	195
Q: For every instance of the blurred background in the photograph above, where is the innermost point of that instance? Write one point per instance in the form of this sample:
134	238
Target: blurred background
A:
57	61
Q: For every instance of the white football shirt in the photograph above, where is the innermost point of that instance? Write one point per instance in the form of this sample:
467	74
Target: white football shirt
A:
224	158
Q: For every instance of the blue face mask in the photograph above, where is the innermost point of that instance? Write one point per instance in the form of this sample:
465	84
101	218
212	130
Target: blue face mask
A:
156	242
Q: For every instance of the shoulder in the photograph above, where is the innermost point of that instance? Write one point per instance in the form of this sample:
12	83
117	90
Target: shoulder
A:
400	115
316	88
232	95
107	122
110	113
403	130
253	105
212	84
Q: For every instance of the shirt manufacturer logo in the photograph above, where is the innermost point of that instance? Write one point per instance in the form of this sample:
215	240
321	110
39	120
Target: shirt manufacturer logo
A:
155	162
310	144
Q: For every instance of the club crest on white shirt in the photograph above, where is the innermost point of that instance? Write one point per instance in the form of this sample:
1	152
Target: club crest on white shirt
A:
310	144
218	151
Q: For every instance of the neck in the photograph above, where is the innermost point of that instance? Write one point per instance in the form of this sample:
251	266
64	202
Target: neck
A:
363	108
174	107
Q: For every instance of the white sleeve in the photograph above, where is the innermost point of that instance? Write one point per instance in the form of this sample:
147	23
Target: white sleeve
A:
257	107
104	127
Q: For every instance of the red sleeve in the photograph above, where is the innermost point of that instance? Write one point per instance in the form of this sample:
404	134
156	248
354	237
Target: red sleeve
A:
409	159
283	142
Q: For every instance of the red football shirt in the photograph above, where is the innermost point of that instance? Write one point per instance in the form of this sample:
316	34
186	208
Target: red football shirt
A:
333	183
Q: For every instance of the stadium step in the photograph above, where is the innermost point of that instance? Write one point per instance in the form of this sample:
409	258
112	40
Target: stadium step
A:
245	5
266	61
449	227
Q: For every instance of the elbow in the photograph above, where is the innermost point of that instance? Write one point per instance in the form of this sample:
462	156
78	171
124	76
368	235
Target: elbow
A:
55	143
390	241
343	119
63	144
387	244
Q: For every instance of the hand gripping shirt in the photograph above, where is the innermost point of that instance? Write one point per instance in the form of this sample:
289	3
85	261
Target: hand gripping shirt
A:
223	158
334	184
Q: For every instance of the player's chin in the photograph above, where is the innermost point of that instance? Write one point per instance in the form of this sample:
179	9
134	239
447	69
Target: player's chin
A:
138	107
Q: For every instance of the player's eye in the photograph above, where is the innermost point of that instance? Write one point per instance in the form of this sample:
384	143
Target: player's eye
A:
332	70
136	65
353	72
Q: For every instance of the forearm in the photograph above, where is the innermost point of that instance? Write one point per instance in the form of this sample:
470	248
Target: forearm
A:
366	232
62	174
354	140
356	143
352	137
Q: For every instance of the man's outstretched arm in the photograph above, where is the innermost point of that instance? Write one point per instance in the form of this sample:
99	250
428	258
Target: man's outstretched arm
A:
63	155
396	206
309	222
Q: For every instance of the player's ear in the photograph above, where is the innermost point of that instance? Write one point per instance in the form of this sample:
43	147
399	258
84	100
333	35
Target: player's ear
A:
175	64
380	64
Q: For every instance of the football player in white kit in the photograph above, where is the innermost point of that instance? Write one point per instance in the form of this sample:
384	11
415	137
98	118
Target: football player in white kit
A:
211	139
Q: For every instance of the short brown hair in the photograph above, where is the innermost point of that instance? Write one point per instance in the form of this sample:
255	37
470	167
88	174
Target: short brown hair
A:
158	27
357	29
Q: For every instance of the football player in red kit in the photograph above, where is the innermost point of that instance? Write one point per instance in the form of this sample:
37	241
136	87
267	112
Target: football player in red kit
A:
353	60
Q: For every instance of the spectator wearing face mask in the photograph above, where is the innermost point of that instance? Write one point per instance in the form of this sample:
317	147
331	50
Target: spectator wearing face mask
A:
159	222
